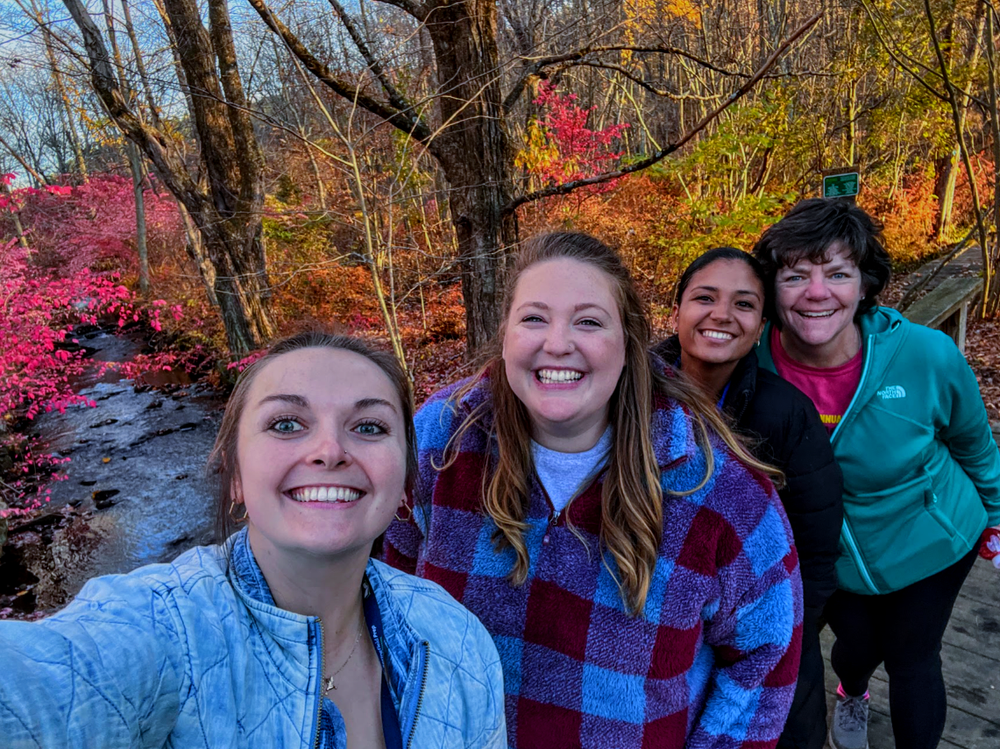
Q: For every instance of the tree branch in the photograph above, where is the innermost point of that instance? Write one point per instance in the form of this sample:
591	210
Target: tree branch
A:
395	98
402	119
20	160
536	66
956	116
896	59
420	11
670	148
169	165
647	86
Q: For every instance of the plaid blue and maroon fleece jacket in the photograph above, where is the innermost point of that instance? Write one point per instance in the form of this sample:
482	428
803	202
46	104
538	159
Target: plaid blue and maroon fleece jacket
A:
710	662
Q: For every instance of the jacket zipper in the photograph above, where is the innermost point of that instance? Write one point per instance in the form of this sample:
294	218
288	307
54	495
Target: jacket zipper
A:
424	652
553	512
849	539
319	699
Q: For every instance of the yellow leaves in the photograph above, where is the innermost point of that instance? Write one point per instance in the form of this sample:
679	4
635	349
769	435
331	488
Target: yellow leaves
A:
685	10
643	13
103	130
538	151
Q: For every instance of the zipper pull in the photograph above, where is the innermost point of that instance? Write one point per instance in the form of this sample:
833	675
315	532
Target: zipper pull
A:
552	521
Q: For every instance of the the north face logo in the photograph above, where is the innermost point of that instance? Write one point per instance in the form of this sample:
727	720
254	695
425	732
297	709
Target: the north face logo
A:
893	391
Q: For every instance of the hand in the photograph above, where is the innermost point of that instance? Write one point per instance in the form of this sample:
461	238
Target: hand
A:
990	545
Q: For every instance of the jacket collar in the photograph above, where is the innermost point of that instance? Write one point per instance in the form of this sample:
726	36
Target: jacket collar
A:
248	580
881	323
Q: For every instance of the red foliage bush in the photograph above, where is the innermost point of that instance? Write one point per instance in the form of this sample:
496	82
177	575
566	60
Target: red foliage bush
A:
38	357
93	225
561	148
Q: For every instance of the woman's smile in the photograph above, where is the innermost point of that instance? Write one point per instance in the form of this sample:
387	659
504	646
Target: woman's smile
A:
558	377
326	494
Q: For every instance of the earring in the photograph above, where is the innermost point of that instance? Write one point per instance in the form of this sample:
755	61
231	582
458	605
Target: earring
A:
232	514
409	513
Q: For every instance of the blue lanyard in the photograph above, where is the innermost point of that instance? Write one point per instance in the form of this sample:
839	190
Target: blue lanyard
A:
373	619
722	398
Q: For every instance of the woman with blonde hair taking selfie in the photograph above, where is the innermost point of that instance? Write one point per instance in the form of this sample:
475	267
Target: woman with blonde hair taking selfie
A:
288	635
630	559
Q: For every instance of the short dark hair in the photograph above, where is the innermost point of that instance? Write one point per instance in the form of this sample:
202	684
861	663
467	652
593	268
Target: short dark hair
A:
811	228
222	463
722	253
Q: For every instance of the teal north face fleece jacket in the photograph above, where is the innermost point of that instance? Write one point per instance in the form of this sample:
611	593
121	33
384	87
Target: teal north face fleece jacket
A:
921	468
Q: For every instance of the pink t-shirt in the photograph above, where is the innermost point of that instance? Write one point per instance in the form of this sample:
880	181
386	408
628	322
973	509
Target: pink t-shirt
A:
830	389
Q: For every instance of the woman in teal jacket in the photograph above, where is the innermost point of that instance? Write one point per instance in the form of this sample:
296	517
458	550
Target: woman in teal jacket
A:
288	635
921	469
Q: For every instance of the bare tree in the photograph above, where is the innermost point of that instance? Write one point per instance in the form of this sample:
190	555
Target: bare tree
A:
468	135
226	207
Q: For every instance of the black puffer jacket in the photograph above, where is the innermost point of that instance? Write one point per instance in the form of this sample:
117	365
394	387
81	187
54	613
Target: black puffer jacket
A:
785	431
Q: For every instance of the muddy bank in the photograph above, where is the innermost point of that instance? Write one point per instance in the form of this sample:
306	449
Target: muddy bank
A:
135	490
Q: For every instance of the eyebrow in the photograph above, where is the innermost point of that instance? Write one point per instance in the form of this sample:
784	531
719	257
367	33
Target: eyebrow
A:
576	308
372	402
298	400
295	400
746	292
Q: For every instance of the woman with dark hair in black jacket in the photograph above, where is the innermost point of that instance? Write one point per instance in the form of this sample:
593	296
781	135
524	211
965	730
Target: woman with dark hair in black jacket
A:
719	316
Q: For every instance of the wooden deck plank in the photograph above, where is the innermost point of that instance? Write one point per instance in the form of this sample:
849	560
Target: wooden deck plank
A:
983	584
970	664
939	304
975	628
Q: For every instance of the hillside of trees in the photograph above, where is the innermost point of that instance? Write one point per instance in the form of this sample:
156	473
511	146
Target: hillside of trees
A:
219	173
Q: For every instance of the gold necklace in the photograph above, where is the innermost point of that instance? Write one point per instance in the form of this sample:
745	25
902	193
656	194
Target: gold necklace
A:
328	681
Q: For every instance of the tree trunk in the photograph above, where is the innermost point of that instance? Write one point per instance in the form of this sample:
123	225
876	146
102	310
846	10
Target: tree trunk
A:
195	249
475	156
993	297
14	215
947	168
138	177
65	111
944	189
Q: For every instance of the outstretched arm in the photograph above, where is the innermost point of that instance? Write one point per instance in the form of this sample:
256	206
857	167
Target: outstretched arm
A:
105	671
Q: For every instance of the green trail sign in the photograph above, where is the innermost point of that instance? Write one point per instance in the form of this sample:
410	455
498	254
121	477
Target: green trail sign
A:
841	185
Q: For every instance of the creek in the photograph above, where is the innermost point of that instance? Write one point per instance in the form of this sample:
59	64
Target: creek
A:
135	491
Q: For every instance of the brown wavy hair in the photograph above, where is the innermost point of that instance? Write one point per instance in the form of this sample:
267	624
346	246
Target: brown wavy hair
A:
632	500
222	462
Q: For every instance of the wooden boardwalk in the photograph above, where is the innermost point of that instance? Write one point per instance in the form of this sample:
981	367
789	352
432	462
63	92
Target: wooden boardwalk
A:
971	659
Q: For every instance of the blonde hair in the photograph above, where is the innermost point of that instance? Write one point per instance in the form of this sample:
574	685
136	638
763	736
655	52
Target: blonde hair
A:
631	500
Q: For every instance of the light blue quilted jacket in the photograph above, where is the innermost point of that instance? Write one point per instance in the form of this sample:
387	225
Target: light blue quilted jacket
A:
174	655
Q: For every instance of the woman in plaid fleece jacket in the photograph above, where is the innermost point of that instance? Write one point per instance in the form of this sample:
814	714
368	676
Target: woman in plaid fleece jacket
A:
662	607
